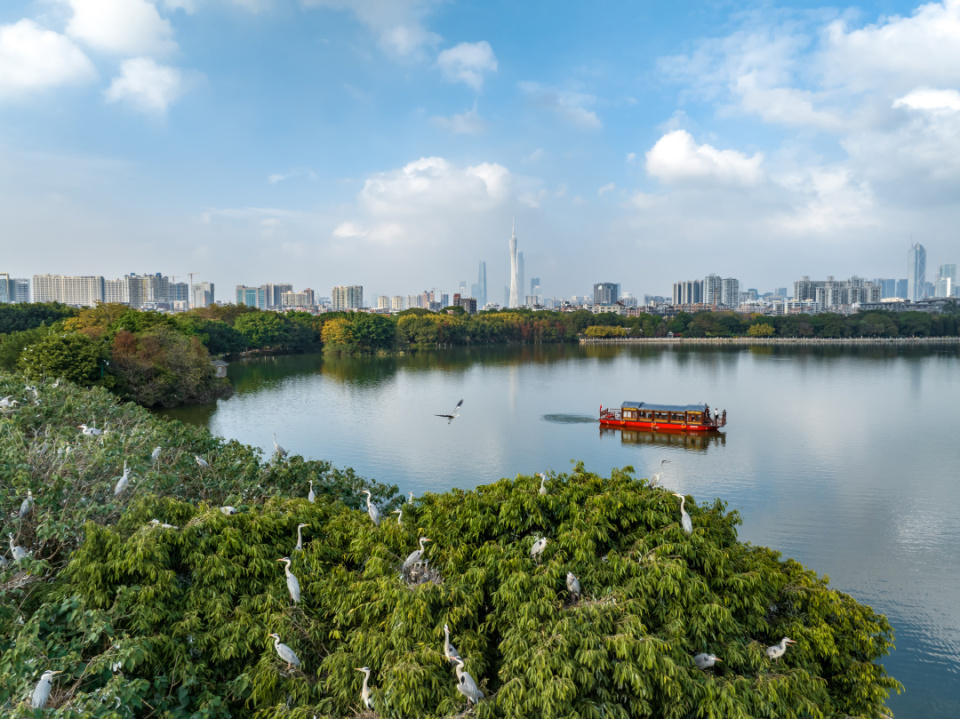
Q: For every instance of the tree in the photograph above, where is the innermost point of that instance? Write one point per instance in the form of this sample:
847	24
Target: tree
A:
74	357
761	329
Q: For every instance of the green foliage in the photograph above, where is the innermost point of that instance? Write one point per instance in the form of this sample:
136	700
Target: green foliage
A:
603	331
761	329
27	316
74	357
13	344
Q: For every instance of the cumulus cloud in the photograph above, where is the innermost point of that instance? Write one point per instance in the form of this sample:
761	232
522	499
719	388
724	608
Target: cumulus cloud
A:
398	24
124	27
146	85
32	58
928	99
467	63
348	229
572	106
676	158
827	200
466	123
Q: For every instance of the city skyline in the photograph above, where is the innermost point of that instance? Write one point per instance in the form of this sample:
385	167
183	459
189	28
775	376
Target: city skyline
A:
394	141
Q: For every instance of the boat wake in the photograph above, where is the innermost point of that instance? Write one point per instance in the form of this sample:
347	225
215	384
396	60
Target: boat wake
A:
569	419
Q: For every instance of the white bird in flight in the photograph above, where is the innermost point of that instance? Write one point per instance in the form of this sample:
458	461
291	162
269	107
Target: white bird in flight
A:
454	414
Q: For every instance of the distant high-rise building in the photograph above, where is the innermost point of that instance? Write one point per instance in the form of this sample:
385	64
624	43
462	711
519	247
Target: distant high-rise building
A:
5	287
781	292
298	299
347	297
729	292
535	286
711	290
946	281
203	294
274	293
916	272
514	293
252	296
902	289
481	293
20	290
116	291
397	303
413	301
444	299
520	274
79	291
605	293
178	292
688	293
468	303
383	302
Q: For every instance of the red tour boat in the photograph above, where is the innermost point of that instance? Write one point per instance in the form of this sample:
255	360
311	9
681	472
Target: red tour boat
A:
688	418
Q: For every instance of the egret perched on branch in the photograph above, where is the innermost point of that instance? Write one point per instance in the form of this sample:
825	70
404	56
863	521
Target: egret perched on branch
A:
292	583
123	481
449	651
27	505
311	495
7	403
203	464
684	517
372	509
453	415
281	452
543	478
89	431
415	556
466	685
537	549
365	697
157	523
299	547
777	650
573	584
399	513
16	551
409	497
42	691
155	455
705	661
285	652
655	479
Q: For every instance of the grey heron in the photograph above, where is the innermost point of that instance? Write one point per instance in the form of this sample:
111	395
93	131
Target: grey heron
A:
466	685
16	551
365	697
543	489
409	497
415	556
684	517
155	455
449	651
705	661
228	510
281	452
311	495
573	584
399	513
123	481
201	462
655	479
453	415
537	549
163	525
299	547
42	691
777	650
285	652
89	431
372	509
292	583
27	505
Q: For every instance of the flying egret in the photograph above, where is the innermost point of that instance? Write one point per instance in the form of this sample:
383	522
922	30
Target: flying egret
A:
228	510
399	513
365	697
409	497
466	685
684	517
203	464
415	556
777	650
155	455
537	549
449	651
285	652
42	691
705	661
453	415
655	479
16	551
292	583
299	547
573	584
372	509
281	452
543	478
311	495
27	505
89	431
123	481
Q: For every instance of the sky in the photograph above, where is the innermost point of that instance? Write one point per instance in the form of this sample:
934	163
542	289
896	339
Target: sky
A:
392	143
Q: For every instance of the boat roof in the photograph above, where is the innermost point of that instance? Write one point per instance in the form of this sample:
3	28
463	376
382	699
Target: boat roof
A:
664	407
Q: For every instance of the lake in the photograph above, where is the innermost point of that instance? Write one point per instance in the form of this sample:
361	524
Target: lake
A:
842	457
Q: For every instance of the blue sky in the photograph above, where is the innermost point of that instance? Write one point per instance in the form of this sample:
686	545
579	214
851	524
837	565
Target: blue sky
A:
390	143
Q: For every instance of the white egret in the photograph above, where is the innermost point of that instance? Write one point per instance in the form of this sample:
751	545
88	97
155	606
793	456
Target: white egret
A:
201	462
292	583
16	551
453	415
164	525
409	497
365	697
299	547
155	455
311	495
399	513
123	481
281	452
415	556
543	478
372	509
705	661
573	584
684	517
228	510
285	652
655	479
537	549
777	650
89	431
42	692
27	505
449	651
466	685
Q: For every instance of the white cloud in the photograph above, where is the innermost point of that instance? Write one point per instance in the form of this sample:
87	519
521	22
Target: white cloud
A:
676	158
398	24
609	187
928	99
192	6
467	63
149	87
304	172
347	230
573	106
32	58
827	200
467	123
124	27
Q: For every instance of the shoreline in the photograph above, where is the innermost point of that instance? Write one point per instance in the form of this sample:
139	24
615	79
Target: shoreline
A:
773	340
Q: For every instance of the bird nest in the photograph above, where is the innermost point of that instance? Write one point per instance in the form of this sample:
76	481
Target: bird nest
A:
420	573
18	581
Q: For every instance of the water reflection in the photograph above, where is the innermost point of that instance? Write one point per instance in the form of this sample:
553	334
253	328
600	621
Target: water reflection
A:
697	441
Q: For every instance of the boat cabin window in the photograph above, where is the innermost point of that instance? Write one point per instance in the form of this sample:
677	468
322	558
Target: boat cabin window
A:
676	417
662	415
628	413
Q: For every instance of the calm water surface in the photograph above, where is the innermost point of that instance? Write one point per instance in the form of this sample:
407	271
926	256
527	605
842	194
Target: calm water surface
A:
844	458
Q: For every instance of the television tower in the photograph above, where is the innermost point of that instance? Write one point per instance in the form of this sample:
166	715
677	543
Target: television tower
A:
514	270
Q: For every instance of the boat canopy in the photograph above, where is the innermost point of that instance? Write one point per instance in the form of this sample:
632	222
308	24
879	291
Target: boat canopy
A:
664	407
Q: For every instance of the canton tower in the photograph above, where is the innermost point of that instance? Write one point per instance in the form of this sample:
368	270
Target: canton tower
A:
514	270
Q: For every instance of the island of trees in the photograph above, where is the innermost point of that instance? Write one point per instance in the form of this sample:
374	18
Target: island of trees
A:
144	569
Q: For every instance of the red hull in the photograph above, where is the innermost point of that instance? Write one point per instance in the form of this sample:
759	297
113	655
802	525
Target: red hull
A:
635	424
